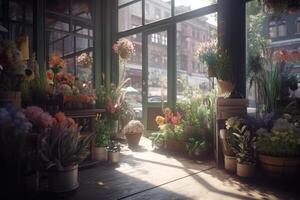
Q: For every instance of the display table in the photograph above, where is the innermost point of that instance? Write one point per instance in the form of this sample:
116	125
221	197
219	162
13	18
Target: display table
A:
86	118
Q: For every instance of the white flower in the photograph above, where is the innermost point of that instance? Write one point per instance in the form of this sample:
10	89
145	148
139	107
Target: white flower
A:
134	126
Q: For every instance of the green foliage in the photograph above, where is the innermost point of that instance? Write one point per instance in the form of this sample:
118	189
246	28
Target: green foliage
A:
196	144
63	146
282	141
223	66
173	131
158	139
245	145
102	131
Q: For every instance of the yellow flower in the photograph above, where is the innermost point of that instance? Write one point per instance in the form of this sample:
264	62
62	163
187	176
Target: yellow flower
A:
160	120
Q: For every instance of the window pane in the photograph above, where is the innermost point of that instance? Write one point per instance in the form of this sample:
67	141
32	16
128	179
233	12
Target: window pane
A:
58	23
182	6
69	64
15	11
58	6
191	73
157	9
130	16
81	44
82	8
68	45
157	67
133	70
121	2
282	29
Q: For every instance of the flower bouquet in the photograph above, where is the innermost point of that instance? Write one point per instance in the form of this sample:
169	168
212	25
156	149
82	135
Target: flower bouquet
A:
124	48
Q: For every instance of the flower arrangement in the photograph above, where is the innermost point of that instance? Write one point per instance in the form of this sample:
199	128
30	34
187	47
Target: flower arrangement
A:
133	127
13	71
62	145
124	48
283	140
85	60
11	117
38	117
56	63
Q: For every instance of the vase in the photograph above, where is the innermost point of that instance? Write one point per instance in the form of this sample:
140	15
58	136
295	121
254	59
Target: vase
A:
65	180
245	170
113	157
225	87
133	139
11	97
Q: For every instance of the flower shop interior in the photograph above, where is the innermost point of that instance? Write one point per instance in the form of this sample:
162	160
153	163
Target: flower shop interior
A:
149	99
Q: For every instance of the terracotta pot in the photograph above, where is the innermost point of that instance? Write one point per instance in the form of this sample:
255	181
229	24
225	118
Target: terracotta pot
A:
100	154
176	146
113	157
133	139
225	87
280	167
11	97
63	181
245	170
230	163
211	71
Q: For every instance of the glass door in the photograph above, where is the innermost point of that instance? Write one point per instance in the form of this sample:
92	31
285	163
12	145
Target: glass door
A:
155	75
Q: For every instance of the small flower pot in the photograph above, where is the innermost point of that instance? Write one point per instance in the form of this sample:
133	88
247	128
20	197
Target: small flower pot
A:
245	170
230	163
113	157
100	154
133	139
63	181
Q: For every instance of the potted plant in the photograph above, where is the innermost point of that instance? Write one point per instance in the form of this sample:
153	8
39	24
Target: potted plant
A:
244	151
102	139
158	139
133	132
279	149
13	73
224	73
198	147
114	152
208	53
62	148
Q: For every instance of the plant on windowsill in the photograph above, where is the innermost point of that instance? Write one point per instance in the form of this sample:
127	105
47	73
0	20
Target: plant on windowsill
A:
208	54
224	73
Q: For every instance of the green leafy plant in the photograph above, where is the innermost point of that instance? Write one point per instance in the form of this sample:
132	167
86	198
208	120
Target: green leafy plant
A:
158	139
63	146
196	144
282	141
245	148
102	137
223	66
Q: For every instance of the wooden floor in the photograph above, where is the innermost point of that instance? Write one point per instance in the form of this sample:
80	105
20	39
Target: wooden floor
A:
146	174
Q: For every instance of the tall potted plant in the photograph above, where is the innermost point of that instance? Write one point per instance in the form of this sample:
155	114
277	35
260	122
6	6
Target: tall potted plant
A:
62	148
102	139
245	151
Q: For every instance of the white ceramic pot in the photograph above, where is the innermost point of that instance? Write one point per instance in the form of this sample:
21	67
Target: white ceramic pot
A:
100	154
245	170
230	163
113	157
63	181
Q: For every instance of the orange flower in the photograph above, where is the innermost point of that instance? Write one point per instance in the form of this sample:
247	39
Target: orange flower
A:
160	120
50	74
168	114
60	117
56	61
174	120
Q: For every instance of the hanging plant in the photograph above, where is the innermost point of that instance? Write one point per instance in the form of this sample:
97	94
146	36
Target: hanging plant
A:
279	6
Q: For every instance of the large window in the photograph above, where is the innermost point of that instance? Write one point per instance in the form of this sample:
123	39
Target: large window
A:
69	32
